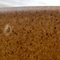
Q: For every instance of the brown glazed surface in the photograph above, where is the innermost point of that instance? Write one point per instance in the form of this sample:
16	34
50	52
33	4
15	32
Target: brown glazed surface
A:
30	35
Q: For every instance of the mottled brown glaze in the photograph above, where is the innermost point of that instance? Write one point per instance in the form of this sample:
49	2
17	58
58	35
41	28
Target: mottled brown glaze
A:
35	35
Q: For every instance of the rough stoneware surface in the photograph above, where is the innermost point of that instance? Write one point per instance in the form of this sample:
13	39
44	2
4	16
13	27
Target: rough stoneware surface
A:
30	35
